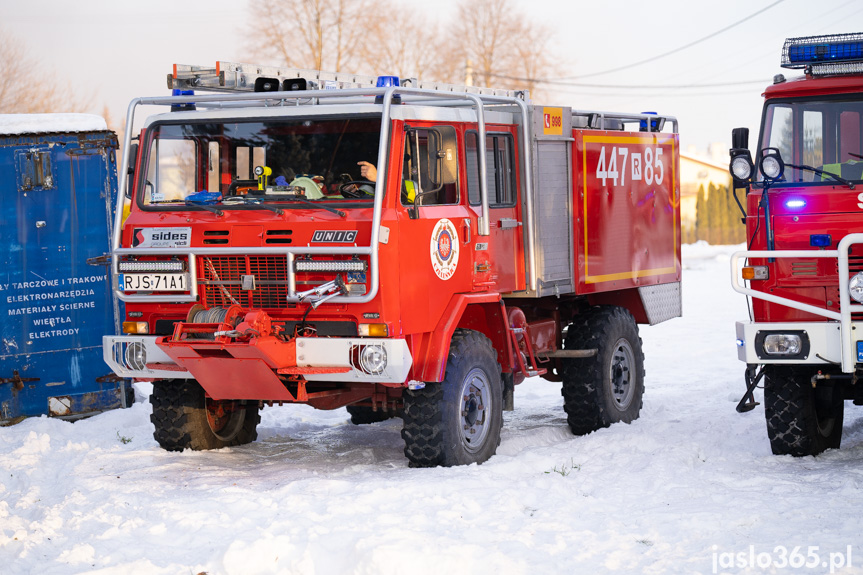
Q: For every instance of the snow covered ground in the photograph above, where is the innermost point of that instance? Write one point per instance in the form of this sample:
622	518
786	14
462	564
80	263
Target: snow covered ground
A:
691	487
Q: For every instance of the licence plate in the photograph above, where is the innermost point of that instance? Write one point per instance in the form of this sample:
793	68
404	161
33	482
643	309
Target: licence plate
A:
860	351
154	282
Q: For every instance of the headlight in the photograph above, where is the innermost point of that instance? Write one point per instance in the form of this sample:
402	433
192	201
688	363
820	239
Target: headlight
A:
136	356
855	288
741	168
373	359
783	344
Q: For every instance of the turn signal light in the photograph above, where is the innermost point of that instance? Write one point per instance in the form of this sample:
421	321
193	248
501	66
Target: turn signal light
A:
136	327
755	273
373	330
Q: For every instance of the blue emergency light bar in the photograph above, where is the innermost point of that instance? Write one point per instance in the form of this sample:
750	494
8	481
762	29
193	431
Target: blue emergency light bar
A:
822	55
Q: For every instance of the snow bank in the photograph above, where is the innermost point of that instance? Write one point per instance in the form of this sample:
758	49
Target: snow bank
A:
12	124
690	487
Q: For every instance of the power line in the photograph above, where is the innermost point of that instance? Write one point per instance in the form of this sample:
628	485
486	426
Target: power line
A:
654	58
631	86
577	92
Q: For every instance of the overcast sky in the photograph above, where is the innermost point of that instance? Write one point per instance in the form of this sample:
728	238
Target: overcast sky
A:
115	50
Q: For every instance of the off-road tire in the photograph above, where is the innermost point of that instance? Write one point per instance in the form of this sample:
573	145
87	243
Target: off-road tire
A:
801	420
439	418
608	387
180	419
362	414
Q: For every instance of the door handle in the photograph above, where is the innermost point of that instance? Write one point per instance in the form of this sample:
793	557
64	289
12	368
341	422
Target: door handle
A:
466	231
508	223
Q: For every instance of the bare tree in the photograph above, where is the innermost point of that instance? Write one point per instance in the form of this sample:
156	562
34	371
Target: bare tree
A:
316	34
25	89
501	43
406	44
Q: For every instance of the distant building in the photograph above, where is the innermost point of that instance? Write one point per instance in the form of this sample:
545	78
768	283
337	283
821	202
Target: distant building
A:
698	170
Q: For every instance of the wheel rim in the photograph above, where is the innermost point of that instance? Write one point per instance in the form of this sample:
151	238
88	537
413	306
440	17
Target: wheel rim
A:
621	373
225	418
475	403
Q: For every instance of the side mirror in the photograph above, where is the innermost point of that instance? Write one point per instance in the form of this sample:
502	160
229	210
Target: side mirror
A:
740	138
448	155
130	172
442	156
741	166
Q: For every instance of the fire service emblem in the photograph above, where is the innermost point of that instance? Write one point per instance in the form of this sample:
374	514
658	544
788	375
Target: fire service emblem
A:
444	249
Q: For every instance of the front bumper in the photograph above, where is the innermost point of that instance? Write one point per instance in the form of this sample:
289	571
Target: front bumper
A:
824	342
315	355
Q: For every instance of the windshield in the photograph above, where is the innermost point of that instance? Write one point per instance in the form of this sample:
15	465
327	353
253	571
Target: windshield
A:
228	163
824	134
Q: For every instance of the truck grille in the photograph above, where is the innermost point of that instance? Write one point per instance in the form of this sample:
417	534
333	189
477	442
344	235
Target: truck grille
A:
220	281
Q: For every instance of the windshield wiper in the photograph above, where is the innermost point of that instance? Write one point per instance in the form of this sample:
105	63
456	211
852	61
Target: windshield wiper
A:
215	210
260	203
822	173
312	204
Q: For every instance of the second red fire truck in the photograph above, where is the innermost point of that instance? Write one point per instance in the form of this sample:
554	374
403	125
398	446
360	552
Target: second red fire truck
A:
396	247
804	264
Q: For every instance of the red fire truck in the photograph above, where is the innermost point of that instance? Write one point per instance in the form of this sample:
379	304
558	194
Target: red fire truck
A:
396	247
804	263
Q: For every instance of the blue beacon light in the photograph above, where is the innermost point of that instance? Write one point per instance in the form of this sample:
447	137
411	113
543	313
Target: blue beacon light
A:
833	54
182	107
826	52
387	81
820	240
795	204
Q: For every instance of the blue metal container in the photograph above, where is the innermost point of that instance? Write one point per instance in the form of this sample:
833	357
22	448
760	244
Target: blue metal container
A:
57	193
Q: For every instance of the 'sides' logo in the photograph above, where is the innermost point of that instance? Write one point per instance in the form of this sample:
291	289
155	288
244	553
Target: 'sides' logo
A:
334	236
161	237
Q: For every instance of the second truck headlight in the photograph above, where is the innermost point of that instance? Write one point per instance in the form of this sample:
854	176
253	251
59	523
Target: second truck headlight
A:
855	287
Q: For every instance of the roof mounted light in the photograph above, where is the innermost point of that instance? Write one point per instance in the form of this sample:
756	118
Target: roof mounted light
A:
387	81
182	107
825	55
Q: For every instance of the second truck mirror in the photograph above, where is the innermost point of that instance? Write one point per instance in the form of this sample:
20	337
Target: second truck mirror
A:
740	138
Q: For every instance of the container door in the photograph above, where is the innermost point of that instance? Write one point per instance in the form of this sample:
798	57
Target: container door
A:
55	307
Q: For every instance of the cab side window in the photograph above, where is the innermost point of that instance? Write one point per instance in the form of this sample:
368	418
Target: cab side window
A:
430	168
499	165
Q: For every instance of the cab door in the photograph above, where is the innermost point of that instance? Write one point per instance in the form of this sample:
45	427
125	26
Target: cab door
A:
435	225
498	259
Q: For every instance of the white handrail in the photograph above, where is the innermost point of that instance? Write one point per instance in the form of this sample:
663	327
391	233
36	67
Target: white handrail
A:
846	308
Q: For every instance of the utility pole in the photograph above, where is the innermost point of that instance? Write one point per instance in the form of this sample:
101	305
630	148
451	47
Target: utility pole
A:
468	73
